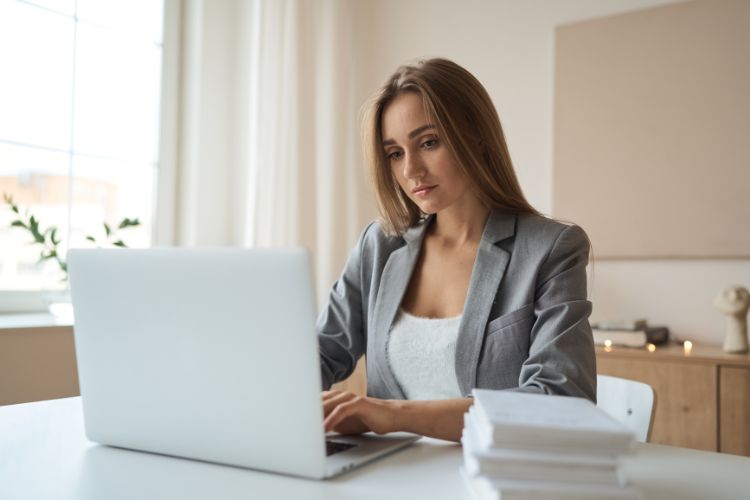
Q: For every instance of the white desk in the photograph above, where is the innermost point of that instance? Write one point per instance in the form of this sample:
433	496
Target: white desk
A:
45	455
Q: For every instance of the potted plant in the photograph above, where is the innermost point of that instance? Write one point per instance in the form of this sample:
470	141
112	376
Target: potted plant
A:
48	242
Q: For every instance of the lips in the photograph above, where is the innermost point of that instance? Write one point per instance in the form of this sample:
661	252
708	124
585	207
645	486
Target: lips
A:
422	190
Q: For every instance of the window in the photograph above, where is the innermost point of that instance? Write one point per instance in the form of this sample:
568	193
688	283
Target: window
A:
79	124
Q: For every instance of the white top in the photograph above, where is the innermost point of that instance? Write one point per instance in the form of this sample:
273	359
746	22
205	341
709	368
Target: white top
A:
422	356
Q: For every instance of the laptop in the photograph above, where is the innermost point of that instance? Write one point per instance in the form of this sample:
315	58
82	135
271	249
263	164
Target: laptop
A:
208	354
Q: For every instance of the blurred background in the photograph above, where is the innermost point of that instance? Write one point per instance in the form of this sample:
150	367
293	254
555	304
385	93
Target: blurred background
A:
236	123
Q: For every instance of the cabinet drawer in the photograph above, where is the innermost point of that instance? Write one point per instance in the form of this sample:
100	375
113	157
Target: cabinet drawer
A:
734	410
686	398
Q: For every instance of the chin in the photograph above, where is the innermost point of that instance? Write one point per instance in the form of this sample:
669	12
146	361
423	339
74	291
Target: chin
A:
429	208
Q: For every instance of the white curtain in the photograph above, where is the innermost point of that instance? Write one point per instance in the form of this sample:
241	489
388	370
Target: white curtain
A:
268	151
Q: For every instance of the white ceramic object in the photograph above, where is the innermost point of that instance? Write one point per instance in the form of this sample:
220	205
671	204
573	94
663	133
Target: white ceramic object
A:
62	311
734	302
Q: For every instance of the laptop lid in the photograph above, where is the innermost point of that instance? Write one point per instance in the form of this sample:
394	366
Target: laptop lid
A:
201	353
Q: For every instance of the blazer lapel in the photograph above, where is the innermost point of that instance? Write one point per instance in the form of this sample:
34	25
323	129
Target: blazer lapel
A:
394	281
486	276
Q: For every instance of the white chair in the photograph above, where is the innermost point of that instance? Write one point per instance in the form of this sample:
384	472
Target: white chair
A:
628	402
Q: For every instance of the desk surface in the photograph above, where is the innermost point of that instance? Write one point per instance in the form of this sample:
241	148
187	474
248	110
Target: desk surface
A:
45	455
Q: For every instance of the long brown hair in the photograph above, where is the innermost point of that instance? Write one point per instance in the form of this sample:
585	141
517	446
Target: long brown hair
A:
466	120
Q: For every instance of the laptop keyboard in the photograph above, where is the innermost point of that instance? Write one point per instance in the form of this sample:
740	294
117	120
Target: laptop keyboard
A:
333	447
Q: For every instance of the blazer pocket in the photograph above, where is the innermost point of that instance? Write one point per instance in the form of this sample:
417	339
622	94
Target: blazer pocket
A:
505	349
509	319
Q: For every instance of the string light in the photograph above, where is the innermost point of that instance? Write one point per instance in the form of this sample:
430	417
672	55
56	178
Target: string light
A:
688	346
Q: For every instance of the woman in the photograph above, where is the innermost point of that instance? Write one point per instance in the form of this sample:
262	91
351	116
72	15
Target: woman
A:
462	284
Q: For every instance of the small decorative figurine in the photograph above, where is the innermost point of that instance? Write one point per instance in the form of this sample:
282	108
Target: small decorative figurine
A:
734	302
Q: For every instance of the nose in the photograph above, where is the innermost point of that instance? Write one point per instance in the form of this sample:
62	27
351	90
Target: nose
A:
413	166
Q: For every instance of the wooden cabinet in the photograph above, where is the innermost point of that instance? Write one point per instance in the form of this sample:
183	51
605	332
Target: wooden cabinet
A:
734	409
702	399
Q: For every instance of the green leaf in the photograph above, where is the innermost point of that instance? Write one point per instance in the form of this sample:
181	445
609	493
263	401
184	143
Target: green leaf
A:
128	223
50	255
9	200
49	239
34	228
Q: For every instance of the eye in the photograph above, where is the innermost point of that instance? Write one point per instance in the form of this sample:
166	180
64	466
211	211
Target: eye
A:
430	143
394	155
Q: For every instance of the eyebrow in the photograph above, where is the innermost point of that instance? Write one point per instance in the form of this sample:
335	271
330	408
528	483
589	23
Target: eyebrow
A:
414	133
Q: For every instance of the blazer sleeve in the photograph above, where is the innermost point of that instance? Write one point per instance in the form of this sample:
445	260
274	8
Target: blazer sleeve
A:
341	325
561	358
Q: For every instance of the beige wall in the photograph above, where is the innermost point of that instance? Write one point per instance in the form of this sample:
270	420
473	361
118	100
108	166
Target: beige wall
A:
509	45
651	117
37	364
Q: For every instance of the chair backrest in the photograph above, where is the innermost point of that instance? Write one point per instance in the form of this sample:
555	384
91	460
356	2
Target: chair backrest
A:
628	402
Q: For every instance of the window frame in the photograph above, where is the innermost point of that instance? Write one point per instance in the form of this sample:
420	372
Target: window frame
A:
164	207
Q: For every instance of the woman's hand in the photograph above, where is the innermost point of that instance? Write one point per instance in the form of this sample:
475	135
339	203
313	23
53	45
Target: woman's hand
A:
347	413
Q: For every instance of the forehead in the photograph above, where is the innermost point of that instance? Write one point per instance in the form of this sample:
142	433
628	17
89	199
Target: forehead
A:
402	115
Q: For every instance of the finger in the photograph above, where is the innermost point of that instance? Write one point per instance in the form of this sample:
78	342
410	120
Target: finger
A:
325	395
335	401
339	414
345	414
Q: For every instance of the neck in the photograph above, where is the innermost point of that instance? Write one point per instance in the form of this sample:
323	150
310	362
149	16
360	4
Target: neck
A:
460	223
739	320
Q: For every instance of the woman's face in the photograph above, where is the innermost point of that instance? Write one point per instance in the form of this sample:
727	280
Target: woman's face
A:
422	164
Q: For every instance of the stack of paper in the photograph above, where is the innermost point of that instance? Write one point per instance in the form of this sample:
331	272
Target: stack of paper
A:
531	446
636	333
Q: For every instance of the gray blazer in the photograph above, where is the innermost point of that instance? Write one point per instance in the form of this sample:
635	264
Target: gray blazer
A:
525	321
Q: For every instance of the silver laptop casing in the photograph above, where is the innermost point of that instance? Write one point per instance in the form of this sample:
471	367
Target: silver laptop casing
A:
208	354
